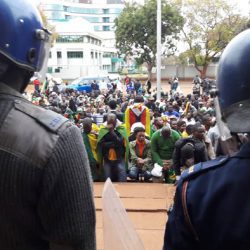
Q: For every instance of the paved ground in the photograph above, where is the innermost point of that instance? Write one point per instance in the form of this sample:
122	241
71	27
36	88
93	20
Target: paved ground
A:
186	86
146	205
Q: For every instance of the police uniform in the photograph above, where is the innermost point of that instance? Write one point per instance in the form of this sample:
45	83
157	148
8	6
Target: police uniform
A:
46	197
212	204
211	209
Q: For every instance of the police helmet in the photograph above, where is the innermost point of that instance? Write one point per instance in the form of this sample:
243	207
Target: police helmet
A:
23	38
234	83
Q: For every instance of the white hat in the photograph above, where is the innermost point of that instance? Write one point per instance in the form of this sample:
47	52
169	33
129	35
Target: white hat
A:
136	125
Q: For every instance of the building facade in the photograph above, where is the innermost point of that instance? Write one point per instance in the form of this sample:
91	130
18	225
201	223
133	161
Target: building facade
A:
86	40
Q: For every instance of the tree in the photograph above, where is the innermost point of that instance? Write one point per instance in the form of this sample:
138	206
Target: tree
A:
209	26
136	31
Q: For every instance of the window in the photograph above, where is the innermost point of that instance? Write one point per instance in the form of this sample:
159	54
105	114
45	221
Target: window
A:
107	55
59	54
92	54
69	39
93	19
84	10
105	11
105	19
50	55
97	28
50	70
106	28
75	54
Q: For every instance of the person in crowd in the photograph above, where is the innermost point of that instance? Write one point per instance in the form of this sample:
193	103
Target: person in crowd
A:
203	209
171	112
197	89
113	149
189	118
126	80
137	112
137	86
162	146
140	156
95	88
136	125
72	103
98	117
90	135
157	124
112	104
181	128
197	79
46	188
37	84
173	124
151	103
175	84
190	150
149	86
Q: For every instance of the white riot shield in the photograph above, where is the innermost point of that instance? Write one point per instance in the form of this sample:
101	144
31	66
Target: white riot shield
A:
119	232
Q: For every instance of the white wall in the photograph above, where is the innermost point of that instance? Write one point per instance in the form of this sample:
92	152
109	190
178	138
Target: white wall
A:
185	72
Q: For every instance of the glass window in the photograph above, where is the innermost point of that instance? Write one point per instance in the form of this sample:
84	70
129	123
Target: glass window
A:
105	11
55	7
97	28
69	39
75	54
105	19
106	55
59	54
84	10
93	19
106	28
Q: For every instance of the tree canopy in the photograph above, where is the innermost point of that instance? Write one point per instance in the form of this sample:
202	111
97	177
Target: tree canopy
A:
136	33
209	26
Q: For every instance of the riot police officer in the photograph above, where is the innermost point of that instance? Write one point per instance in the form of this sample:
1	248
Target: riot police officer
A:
212	204
46	199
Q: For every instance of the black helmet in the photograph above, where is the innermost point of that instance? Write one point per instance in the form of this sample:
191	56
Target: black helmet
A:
234	83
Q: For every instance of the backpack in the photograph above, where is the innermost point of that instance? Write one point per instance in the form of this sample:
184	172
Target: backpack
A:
198	151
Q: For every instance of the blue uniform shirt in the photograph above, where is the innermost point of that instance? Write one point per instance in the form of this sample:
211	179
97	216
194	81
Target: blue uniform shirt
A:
212	206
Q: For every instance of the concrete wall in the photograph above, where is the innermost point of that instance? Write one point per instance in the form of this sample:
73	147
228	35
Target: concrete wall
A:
184	72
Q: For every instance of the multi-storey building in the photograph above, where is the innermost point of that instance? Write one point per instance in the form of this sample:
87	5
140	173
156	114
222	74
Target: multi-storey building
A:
97	25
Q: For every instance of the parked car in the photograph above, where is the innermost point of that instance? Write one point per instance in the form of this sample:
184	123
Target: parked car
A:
83	84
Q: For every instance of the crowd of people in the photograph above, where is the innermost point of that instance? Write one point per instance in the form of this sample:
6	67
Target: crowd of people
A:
46	193
130	135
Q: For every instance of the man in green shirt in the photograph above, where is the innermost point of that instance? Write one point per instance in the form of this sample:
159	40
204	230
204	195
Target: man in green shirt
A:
162	146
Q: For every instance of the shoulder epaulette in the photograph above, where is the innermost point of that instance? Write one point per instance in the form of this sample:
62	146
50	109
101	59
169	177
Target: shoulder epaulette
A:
47	118
203	167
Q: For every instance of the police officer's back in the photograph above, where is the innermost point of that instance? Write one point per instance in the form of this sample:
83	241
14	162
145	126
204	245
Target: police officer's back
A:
46	199
212	204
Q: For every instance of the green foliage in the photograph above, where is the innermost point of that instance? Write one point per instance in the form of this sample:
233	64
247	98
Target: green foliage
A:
209	26
136	31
